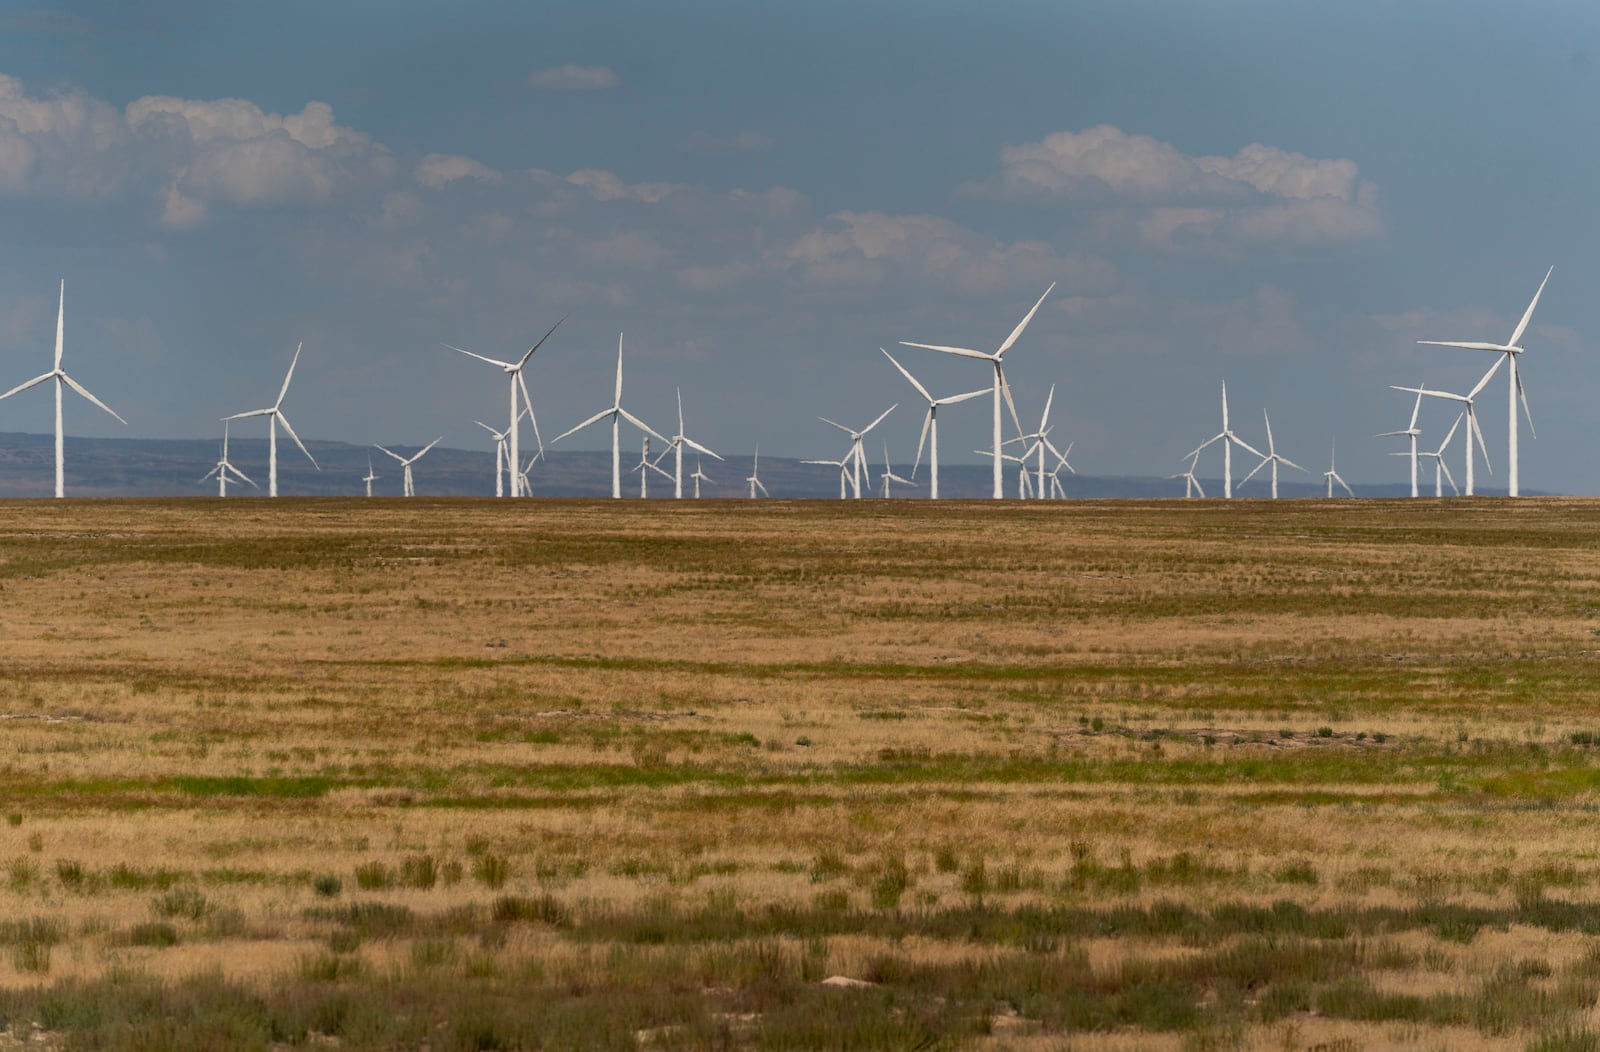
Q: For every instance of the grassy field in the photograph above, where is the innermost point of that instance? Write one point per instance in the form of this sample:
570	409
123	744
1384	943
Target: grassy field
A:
1095	776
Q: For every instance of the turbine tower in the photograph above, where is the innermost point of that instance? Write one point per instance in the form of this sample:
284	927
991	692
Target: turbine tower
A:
997	360
1439	466
370	478
617	415
406	462
502	460
930	426
61	378
1274	459
754	480
645	466
1509	351
274	415
1228	440
889	475
225	467
514	371
699	477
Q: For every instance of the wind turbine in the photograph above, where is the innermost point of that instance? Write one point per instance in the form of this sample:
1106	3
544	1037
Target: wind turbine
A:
1038	438
617	415
1439	466
1509	351
370	478
274	415
224	467
675	446
1191	485
995	359
1410	432
1273	458
857	453
406	462
514	371
889	475
1473	430
930	426
1057	490
1332	474
844	471
754	479
502	460
60	377
1228	440
522	473
645	466
699	477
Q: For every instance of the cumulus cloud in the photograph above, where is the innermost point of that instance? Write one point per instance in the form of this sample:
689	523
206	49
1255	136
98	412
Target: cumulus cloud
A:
1260	194
868	247
437	170
573	77
608	186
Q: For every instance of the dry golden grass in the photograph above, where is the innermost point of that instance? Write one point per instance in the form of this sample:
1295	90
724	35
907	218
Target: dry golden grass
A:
878	740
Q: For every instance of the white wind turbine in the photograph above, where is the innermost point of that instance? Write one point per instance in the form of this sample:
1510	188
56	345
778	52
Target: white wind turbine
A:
514	370
61	378
1332	474
1473	430
699	477
1439	466
502	460
889	475
645	466
754	480
225	467
1024	480
1508	351
675	446
844	472
1057	490
995	359
930	426
369	478
1273	458
406	462
1410	432
857	454
1228	440
617	415
274	415
1040	440
1191	485
522	473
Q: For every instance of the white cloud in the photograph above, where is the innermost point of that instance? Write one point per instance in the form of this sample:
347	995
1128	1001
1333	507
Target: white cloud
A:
1262	194
608	186
439	169
573	77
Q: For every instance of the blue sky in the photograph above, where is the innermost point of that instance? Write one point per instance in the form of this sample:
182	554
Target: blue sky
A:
1280	196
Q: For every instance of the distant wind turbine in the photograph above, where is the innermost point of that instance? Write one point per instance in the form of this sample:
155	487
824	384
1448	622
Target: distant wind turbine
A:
997	360
699	477
274	415
857	453
225	467
930	425
1411	432
406	462
1473	430
1332	474
675	446
645	466
1228	440
370	478
502	460
617	415
61	378
1273	458
889	475
1191	485
755	480
518	384
1508	351
843	465
1439	466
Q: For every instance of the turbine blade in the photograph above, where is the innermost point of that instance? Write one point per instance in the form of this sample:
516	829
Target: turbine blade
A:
601	415
289	376
1526	412
923	391
481	358
879	420
927	421
391	452
1471	345
953	399
1528	315
1023	324
962	351
618	400
641	425
1005	389
1449	477
1344	484
76	386
1289	463
1451	433
1472	423
240	416
841	427
1487	377
287	427
698	448
35	382
527	404
1264	462
543	338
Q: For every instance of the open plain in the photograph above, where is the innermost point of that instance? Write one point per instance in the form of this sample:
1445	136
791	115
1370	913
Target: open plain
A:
1086	775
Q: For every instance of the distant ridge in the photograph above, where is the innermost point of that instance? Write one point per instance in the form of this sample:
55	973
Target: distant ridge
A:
154	467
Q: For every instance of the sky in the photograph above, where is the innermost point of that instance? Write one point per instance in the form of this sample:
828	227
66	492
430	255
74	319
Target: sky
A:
1279	197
